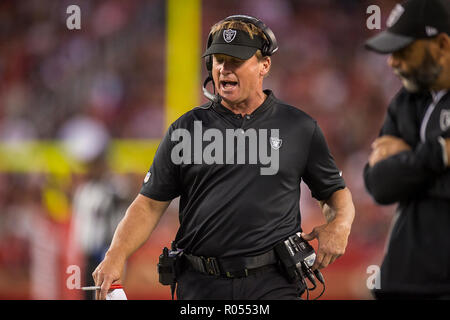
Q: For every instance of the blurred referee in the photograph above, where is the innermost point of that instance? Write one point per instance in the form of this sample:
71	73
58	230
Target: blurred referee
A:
233	212
409	163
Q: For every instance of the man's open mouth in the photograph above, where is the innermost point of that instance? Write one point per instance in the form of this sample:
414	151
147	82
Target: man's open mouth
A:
228	84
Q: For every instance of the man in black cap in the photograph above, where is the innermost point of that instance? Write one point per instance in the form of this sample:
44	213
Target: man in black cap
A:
237	162
409	163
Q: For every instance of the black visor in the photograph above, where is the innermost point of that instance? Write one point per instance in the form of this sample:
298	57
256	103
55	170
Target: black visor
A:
388	42
235	43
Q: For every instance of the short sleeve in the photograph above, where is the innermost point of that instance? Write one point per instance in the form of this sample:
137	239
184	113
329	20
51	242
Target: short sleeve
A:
162	180
321	175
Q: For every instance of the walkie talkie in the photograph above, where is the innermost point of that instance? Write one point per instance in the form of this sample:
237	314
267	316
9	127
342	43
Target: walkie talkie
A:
297	257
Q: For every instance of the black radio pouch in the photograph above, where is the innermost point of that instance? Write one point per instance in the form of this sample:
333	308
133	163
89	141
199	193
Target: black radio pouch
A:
168	265
296	256
287	263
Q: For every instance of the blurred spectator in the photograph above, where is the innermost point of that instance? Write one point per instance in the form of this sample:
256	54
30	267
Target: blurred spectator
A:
99	201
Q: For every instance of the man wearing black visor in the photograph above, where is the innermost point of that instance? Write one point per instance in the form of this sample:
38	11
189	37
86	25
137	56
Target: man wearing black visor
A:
237	162
409	163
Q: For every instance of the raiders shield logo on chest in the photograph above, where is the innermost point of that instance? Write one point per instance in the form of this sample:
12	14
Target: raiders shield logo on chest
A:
444	120
275	142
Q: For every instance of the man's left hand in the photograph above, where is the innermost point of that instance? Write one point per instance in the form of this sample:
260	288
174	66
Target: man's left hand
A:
332	238
386	146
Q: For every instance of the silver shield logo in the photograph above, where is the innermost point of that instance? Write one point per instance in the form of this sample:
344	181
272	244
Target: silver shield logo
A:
275	143
229	35
445	120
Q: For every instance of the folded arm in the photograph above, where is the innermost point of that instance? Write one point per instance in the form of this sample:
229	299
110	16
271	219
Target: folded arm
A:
396	172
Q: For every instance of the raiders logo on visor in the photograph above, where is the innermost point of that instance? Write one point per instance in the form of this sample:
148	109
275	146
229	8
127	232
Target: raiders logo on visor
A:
229	35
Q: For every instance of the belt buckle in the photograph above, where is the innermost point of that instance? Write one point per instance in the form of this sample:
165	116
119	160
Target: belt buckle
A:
211	266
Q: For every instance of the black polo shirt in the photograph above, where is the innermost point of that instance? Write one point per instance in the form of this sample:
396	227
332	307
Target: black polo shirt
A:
240	195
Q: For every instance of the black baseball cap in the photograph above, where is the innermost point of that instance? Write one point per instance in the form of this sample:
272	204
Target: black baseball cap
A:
409	21
234	42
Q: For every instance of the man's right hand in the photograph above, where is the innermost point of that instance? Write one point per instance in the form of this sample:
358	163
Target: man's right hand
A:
386	146
109	271
133	230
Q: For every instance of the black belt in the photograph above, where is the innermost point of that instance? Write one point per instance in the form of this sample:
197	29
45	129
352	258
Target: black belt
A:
235	267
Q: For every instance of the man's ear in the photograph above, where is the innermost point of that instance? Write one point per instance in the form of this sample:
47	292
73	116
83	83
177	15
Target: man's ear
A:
442	44
443	41
265	66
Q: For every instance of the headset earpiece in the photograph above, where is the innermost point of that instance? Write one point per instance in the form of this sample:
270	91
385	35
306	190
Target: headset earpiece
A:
208	62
